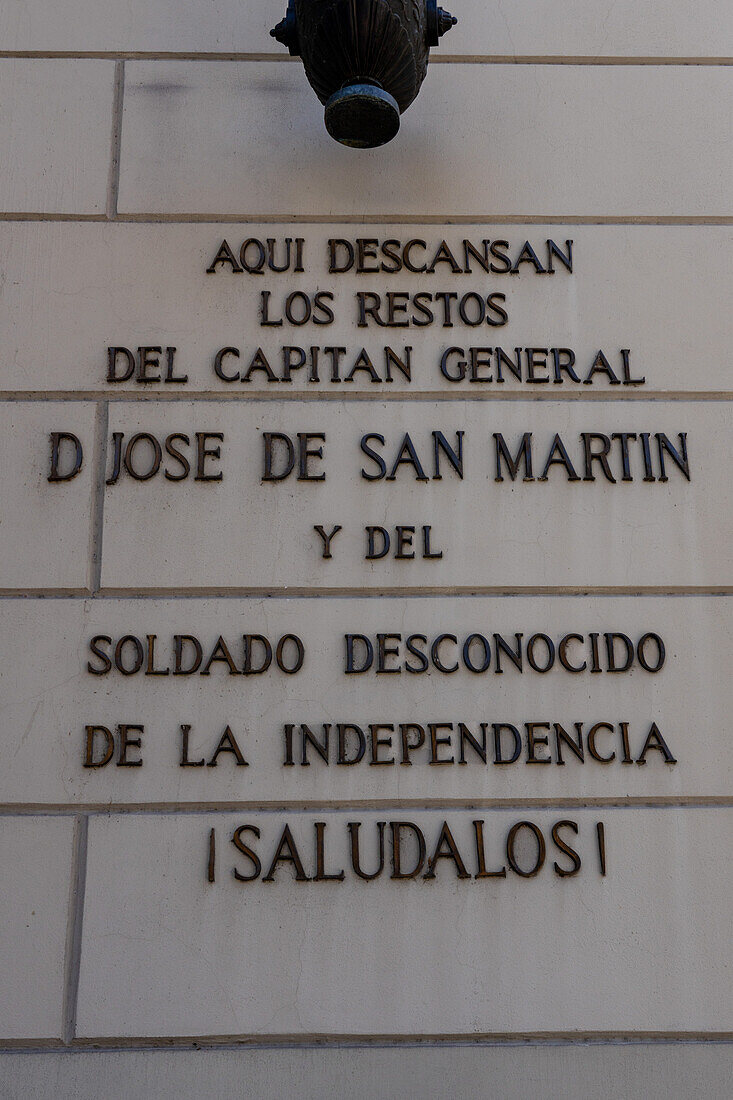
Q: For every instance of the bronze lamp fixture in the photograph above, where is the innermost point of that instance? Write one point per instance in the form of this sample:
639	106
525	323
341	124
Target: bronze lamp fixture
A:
365	59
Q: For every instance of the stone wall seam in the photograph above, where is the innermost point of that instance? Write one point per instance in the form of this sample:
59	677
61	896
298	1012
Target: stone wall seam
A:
670	221
74	927
116	141
441	59
444	592
223	807
97	524
102	397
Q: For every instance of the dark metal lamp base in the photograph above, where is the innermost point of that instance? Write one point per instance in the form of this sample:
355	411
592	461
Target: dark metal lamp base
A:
362	116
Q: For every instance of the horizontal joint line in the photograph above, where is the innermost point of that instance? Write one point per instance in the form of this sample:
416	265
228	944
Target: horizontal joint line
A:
319	1041
469	591
465	395
268	56
188	218
417	591
275	806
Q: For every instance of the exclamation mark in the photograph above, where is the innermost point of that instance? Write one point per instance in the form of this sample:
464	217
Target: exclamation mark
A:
211	873
601	831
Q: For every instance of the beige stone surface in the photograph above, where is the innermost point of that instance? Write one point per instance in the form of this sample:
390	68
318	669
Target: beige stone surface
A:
35	858
568	27
166	954
147	285
45	528
243	533
55	133
225	138
49	697
555	1072
646	948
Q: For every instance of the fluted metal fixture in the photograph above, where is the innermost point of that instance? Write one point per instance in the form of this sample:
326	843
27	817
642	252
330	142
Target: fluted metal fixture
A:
365	59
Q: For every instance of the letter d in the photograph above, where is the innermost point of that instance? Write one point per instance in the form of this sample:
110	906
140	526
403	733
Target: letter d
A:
59	441
397	871
91	734
374	551
113	354
336	264
276	441
351	661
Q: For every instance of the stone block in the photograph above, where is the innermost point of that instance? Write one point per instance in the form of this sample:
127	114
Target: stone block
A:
480	141
148	286
568	1071
50	697
55	133
573	529
35	857
45	527
568	28
647	948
